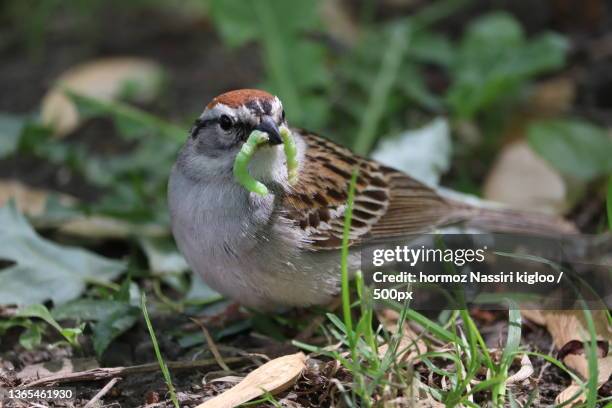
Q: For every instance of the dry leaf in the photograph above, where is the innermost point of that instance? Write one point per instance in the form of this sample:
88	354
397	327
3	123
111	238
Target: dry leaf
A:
569	393
552	97
523	373
101	227
103	79
566	326
535	315
275	376
518	168
338	21
29	200
580	365
32	202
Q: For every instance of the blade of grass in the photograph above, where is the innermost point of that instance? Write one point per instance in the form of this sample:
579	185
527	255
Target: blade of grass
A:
513	342
160	359
119	109
346	296
609	203
276	59
381	88
591	353
429	325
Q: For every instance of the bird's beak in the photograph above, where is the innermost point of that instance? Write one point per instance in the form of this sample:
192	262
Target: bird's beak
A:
268	126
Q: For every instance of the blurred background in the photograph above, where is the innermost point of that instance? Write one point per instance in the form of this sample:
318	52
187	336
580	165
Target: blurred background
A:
507	100
504	100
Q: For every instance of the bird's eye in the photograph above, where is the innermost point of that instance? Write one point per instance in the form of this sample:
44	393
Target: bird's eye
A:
283	115
225	122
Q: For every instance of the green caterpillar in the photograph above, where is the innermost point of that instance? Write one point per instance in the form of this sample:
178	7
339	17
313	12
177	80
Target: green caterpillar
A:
257	138
290	154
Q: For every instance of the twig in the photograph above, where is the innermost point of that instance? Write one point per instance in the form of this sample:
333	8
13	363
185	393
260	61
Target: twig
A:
545	365
212	346
102	392
98	374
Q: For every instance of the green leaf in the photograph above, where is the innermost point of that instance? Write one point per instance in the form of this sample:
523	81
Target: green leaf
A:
431	48
41	312
295	65
200	292
163	256
234	21
495	60
31	337
112	326
415	89
6	324
132	122
42	270
11	127
113	318
574	147
90	309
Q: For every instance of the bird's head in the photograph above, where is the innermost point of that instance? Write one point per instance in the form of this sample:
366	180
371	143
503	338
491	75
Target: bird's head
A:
225	124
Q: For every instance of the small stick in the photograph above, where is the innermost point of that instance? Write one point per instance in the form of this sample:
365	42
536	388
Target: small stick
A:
97	374
212	346
102	392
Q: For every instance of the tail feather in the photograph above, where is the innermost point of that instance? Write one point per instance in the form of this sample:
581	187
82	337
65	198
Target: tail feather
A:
515	221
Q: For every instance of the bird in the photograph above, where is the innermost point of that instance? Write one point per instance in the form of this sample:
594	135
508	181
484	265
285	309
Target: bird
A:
283	249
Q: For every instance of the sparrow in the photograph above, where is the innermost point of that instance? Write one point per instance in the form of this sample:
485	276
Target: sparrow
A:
283	249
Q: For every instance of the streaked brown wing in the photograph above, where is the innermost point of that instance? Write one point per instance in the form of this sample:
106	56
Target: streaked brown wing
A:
387	203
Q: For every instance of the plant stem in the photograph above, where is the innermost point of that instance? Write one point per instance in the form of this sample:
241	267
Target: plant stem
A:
346	296
160	359
381	88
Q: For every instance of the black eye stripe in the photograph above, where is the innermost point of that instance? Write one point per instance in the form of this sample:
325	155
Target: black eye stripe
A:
199	124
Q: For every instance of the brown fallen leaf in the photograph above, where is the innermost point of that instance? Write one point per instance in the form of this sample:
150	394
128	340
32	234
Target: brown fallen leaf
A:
32	202
29	200
552	97
101	227
519	168
273	377
567	327
338	21
523	373
103	79
580	365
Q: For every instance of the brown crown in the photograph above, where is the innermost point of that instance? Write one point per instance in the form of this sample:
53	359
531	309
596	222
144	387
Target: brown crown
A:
239	97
